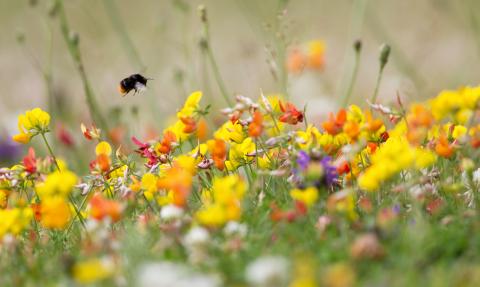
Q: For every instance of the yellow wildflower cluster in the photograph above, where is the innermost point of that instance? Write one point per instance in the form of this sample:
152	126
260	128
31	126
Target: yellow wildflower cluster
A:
222	203
393	156
14	220
54	191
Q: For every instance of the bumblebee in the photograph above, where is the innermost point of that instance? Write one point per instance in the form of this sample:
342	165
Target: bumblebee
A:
135	82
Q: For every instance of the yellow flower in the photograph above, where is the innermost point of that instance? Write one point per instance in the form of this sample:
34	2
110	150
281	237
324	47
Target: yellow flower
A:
459	131
191	105
393	156
58	183
212	215
15	220
55	212
239	154
149	185
222	202
92	270
308	196
103	148
230	132
30	124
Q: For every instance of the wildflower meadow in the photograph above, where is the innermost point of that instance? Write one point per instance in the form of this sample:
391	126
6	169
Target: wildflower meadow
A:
222	188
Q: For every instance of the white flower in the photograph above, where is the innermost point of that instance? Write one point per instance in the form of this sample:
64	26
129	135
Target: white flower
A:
171	212
196	237
233	228
168	274
268	271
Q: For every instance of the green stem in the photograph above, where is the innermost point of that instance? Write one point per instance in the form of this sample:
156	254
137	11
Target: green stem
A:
353	79
379	79
50	151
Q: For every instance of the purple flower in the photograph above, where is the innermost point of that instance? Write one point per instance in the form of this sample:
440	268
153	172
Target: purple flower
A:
9	151
303	159
329	169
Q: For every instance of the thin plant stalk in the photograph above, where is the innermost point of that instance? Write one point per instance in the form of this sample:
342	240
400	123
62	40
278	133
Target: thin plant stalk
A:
347	95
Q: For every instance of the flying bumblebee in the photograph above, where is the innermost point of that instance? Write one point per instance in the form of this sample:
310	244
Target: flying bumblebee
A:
135	82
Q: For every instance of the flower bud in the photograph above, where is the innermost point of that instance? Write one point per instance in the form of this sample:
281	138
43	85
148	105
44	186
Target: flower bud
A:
384	54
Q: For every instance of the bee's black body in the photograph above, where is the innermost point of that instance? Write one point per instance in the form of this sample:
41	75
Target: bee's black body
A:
133	82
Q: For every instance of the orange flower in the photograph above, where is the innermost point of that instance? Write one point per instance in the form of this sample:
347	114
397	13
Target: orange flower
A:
165	145
102	208
316	55
290	114
179	179
202	130
372	124
296	61
190	125
443	147
352	129
256	126
218	150
334	124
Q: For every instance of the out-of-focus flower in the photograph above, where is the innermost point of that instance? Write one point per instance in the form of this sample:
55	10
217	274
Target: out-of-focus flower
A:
310	55
30	124
339	275
342	202
171	212
9	151
64	136
14	220
168	274
30	162
178	179
256	126
268	271
218	150
304	273
443	148
93	270
308	196
57	184
334	124
101	208
55	212
367	246
316	54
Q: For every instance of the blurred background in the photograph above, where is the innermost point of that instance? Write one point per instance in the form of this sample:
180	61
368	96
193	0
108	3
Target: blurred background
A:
435	45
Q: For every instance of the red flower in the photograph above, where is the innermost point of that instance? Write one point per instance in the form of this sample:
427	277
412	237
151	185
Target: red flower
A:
30	162
290	114
146	152
64	136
